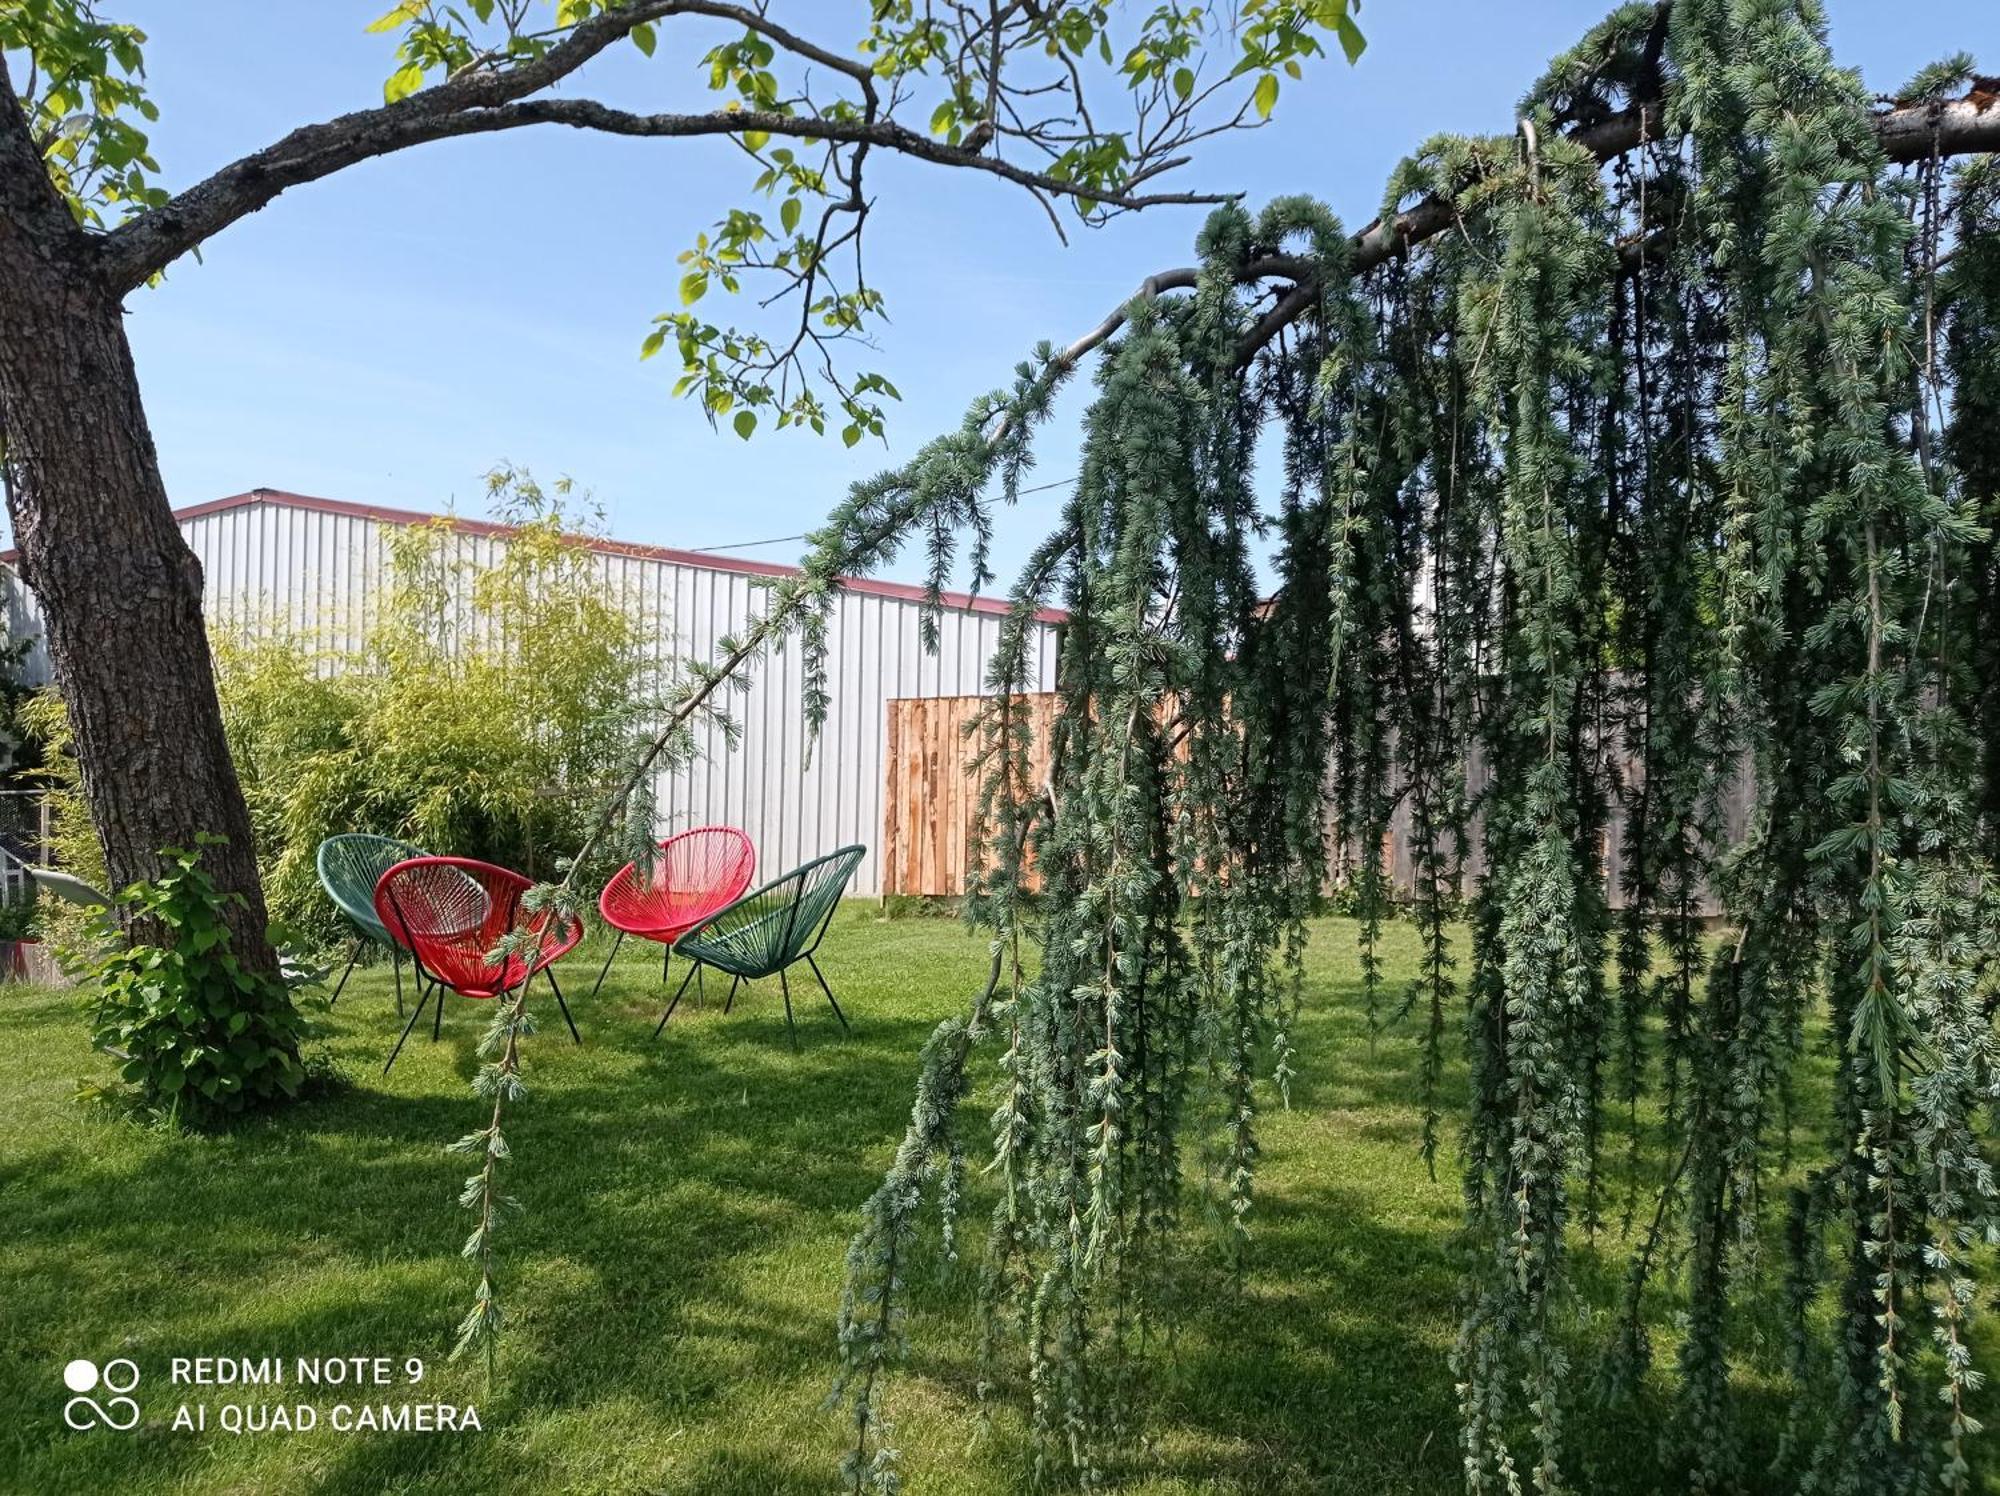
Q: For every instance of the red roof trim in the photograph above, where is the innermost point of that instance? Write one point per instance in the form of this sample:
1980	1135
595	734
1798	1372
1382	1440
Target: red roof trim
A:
866	586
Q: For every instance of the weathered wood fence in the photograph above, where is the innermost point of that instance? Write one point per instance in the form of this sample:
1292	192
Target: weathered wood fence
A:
931	797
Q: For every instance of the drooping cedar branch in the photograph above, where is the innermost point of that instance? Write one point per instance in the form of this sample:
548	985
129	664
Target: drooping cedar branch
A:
1916	132
1626	480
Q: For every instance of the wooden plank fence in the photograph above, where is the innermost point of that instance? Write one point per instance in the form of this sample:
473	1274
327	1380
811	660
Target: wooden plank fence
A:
931	797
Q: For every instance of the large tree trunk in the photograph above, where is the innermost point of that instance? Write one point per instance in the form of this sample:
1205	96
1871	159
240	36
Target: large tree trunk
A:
120	591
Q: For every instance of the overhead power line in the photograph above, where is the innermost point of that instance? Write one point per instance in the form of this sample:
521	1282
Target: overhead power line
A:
751	545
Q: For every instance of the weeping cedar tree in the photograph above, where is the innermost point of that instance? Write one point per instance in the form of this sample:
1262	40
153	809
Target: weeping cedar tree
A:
1647	450
1015	90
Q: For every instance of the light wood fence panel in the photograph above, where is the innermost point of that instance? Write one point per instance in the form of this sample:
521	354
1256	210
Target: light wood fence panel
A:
930	802
931	799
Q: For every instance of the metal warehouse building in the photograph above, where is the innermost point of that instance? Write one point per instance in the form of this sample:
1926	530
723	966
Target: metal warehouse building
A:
315	565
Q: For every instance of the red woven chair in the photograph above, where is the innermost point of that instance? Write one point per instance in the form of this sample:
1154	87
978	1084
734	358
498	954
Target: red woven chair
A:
449	913
695	874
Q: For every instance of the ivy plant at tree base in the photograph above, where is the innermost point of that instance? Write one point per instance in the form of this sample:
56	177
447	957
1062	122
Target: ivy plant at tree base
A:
198	1036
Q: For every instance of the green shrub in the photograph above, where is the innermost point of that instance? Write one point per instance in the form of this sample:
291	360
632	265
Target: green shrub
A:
483	713
19	917
200	1037
71	841
69	929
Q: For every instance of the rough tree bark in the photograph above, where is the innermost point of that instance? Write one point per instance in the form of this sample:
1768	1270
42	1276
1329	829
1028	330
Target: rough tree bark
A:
120	590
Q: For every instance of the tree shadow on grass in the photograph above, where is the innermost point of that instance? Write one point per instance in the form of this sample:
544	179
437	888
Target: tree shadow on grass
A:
658	1172
689	1197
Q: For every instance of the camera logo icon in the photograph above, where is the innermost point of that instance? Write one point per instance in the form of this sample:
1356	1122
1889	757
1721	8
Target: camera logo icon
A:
118	1411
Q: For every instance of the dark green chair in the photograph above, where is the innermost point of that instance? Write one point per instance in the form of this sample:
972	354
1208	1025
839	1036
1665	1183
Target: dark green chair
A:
349	868
771	928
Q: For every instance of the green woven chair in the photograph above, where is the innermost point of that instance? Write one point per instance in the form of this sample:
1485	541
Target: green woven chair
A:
349	868
771	928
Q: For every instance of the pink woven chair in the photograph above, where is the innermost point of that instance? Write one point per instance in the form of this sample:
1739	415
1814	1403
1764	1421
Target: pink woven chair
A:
449	913
695	874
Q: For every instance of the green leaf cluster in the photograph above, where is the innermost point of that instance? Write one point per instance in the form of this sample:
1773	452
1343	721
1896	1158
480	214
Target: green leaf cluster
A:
198	1037
85	99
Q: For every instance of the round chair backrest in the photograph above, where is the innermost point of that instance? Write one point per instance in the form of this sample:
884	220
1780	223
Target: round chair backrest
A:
349	868
422	900
696	873
769	927
452	911
821	882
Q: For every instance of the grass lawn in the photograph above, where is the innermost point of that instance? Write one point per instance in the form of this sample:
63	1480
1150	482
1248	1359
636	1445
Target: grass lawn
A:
671	1286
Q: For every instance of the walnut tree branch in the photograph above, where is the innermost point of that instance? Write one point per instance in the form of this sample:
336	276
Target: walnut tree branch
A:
493	92
140	248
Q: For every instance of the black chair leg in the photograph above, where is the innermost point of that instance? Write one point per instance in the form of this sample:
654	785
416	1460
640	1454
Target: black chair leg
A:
352	956
829	994
730	1001
418	1012
790	1027
700	985
607	963
677	999
667	964
437	1013
550	974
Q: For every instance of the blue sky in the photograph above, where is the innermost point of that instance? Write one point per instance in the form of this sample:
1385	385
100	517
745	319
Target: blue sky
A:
391	333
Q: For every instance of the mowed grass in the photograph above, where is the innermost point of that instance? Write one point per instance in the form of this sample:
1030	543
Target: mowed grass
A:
671	1286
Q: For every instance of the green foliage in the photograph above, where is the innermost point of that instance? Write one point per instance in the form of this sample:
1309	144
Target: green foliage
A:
485	712
84	91
1033	78
72	933
20	918
73	845
1637	480
199	1038
1155	840
1541	944
499	1081
18	754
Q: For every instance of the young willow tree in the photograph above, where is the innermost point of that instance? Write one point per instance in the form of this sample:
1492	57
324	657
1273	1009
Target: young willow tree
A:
1081	104
1641	460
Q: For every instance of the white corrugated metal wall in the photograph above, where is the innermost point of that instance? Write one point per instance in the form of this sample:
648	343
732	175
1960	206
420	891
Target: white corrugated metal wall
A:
317	572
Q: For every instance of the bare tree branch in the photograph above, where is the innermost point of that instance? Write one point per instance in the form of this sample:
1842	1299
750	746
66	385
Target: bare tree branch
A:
1952	127
143	246
483	101
587	114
